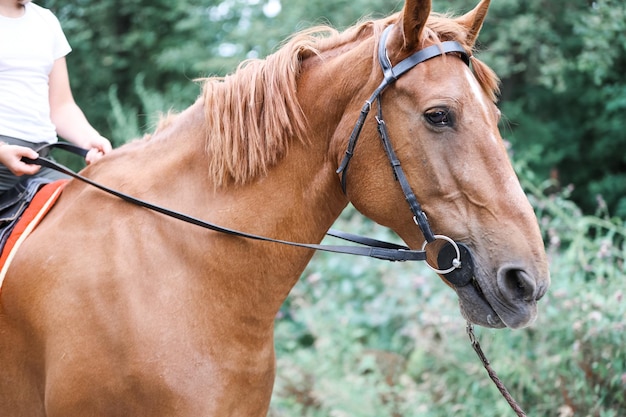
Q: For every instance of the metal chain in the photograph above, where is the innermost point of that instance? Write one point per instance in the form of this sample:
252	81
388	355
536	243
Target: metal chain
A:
492	374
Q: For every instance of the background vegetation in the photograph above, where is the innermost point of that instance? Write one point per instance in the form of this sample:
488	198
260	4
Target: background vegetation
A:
562	63
366	338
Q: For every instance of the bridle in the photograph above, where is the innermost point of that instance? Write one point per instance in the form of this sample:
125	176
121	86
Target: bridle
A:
458	273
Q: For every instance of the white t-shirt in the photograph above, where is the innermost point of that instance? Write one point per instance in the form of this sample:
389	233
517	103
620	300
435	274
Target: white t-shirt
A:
29	45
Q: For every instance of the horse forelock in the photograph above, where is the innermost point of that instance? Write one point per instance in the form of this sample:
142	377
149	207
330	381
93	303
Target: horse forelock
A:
253	114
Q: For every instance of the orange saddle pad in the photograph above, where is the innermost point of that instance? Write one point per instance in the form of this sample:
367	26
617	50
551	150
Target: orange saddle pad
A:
37	209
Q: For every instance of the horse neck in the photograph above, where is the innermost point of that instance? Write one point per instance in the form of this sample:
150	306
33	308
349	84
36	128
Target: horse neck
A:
300	197
307	176
332	88
297	200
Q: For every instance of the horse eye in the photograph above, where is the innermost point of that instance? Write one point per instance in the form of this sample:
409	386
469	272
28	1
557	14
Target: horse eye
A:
439	117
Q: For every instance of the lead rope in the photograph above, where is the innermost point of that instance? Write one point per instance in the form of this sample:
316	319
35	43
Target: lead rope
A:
492	374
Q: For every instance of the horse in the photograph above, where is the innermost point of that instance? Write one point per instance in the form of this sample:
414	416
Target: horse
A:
110	309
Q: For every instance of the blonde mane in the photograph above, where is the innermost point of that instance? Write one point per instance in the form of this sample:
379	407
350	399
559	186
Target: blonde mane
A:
253	114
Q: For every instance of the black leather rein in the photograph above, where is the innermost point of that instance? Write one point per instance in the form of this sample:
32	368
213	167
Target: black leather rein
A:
370	247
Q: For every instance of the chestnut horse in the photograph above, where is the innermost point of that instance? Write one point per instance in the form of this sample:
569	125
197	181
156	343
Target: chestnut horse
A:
110	309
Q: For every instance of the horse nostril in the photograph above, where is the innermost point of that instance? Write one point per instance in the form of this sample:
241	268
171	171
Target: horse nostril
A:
541	291
516	284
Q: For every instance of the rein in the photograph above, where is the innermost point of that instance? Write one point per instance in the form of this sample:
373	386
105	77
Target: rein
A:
492	374
370	247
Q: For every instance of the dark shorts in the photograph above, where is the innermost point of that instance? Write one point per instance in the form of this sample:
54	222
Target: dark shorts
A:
8	179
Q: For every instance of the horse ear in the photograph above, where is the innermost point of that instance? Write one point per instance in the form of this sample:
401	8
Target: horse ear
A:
473	21
414	16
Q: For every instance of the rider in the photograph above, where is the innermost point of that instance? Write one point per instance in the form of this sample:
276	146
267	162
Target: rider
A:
37	102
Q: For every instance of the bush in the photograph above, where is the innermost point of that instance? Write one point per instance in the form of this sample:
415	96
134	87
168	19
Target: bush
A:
364	338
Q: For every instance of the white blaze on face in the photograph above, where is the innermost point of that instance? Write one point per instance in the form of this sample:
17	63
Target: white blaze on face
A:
512	183
477	91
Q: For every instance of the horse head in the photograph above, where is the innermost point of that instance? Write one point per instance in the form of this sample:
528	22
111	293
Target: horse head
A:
441	122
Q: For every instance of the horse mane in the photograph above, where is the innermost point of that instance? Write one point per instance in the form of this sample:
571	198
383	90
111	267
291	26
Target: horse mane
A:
253	114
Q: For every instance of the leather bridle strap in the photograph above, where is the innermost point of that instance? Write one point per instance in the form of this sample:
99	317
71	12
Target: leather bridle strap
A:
418	214
370	247
391	74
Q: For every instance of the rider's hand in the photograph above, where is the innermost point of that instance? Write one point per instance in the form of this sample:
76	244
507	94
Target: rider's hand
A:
98	146
11	155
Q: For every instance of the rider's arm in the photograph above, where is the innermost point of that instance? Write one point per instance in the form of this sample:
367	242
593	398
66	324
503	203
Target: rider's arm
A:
69	119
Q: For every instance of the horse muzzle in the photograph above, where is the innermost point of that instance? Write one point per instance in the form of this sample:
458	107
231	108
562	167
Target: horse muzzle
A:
510	302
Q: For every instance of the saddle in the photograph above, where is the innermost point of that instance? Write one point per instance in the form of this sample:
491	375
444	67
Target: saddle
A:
15	201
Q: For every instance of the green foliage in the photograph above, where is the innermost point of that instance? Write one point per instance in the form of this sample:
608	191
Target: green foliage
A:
365	338
114	42
564	92
169	44
562	66
561	62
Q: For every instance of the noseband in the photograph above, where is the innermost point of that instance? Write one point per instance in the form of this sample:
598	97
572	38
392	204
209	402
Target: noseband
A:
458	274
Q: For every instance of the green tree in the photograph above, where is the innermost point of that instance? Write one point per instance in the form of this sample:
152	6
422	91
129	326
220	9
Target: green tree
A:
116	43
562	64
125	51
